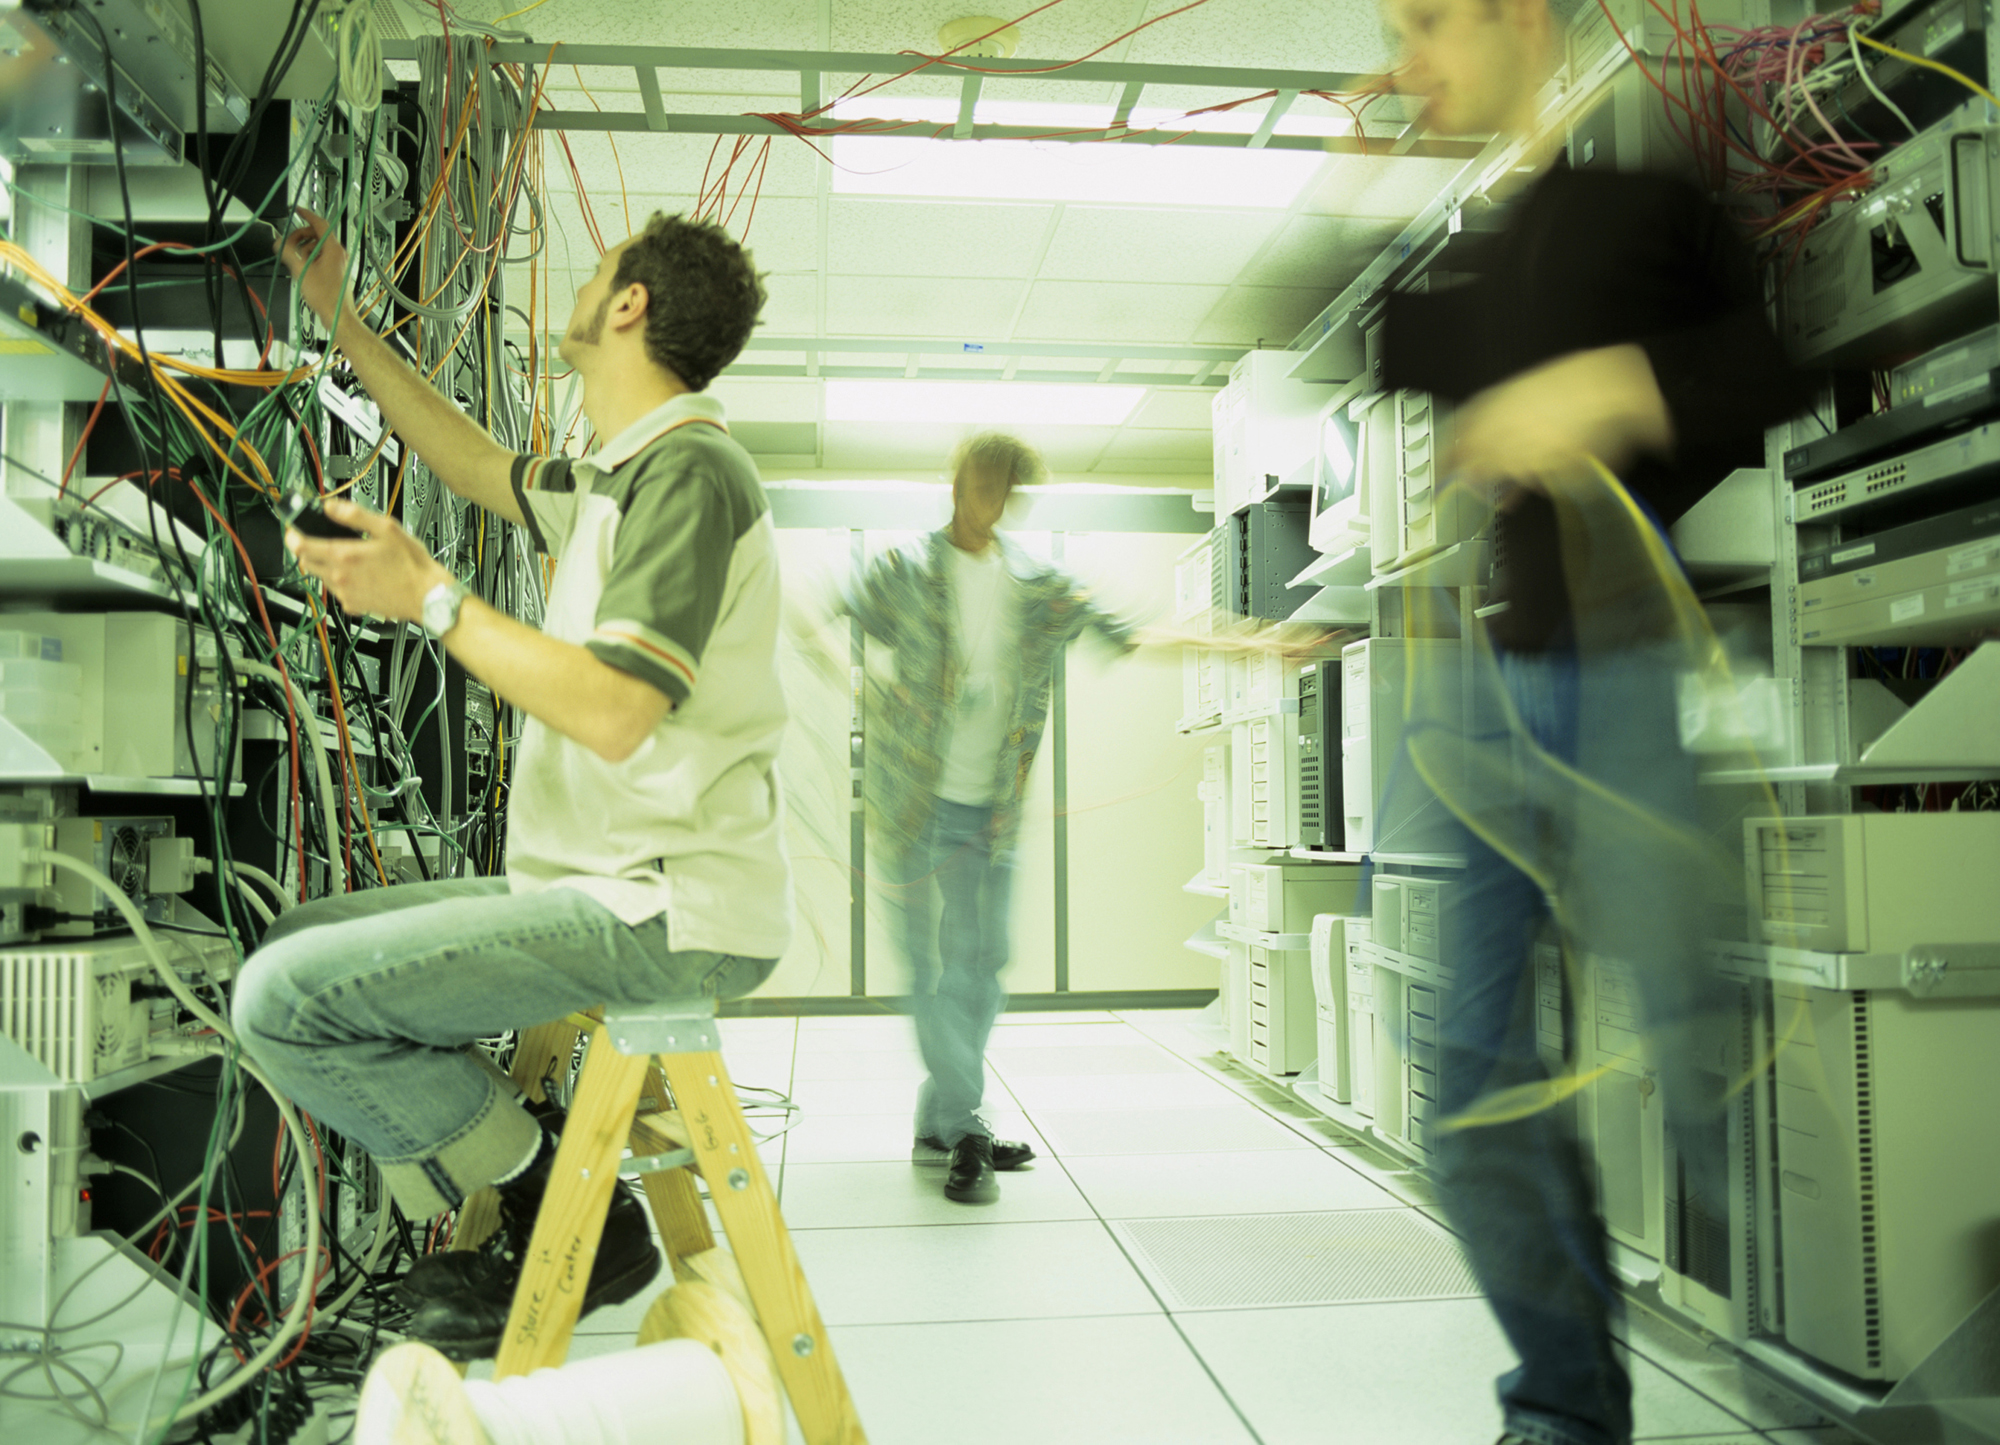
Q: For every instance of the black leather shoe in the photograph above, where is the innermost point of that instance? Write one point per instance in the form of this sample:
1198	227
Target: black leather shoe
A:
1007	1155
462	1297
448	1271
969	1178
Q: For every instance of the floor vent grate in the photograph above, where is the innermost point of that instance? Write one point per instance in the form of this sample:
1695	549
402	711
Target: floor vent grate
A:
1351	1256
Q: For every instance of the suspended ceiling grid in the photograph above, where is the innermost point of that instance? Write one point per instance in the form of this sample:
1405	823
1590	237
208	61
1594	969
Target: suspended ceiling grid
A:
1194	278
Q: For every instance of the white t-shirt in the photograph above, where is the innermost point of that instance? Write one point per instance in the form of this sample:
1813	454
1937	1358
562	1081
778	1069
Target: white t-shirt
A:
984	607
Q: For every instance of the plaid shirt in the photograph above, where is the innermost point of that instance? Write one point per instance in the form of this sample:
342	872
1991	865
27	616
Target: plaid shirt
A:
904	601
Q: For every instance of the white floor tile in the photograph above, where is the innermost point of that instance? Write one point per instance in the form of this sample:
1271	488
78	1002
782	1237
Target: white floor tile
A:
1024	1034
895	1032
1266	1181
857	1096
1128	1380
817	1066
1056	1016
970	1272
856	1026
1136	1057
762	1068
850	1196
1184	1090
1417	1372
874	1138
1163	1131
1185	1031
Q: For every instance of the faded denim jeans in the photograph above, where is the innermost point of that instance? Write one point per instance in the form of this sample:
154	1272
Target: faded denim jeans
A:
955	898
360	1008
1519	1193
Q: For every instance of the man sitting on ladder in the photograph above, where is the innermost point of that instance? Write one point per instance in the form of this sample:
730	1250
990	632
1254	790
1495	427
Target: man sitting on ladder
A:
645	857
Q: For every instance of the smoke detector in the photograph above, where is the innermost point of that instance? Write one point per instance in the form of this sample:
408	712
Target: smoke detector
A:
1001	43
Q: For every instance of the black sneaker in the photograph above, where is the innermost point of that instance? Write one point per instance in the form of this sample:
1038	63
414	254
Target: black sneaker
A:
970	1177
462	1297
1007	1156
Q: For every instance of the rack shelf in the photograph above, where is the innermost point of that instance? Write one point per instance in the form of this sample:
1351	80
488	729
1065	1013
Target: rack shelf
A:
1317	855
1200	885
1456	566
1230	933
1336	569
78	579
1347	605
106	783
1852	775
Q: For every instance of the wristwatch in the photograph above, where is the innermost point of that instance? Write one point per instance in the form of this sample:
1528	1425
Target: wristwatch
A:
441	606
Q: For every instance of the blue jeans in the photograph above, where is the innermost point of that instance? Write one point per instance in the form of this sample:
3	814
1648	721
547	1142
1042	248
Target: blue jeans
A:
1518	1192
954	897
360	1007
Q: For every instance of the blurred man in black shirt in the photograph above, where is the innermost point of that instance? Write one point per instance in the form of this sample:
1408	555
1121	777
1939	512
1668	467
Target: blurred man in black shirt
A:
1616	317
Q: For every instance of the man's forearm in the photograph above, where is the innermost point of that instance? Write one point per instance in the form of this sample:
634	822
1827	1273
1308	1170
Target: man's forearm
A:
450	443
564	685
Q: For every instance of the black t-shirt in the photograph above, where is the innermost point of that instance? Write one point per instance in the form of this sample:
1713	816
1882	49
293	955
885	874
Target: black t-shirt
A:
1604	259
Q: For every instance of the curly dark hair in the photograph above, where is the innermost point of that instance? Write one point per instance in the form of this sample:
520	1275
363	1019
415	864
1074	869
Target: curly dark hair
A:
702	295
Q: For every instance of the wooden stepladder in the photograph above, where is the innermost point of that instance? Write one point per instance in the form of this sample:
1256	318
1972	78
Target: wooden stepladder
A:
669	1054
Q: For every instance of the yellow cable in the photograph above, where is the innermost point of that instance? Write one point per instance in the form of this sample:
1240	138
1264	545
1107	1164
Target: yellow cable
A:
1903	55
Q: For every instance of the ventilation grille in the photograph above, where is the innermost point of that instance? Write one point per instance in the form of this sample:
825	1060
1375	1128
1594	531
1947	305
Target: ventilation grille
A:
1312	818
1312	763
45	1008
1354	1256
1864	1158
1746	1113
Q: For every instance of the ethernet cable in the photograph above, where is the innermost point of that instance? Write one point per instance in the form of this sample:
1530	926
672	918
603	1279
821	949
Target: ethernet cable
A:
295	1318
308	724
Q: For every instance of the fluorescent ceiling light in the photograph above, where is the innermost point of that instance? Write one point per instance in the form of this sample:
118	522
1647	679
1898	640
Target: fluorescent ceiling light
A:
1012	170
986	403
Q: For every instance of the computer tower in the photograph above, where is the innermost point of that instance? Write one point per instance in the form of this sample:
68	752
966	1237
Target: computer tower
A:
1322	815
1263	548
1888	1167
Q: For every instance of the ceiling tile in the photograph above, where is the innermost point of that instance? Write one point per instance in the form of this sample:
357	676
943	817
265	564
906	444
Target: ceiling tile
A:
1097	311
920	306
760	399
1111	465
1397	186
1322	251
1102	243
907	238
1177	407
1181	445
1277	34
1062	32
783	231
1267	315
793	308
766	25
1185	450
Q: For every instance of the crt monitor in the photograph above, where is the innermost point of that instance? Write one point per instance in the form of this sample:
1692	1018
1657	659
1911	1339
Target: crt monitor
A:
1339	506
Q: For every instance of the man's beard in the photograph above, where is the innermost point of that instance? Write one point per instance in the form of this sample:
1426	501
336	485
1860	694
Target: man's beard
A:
593	330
